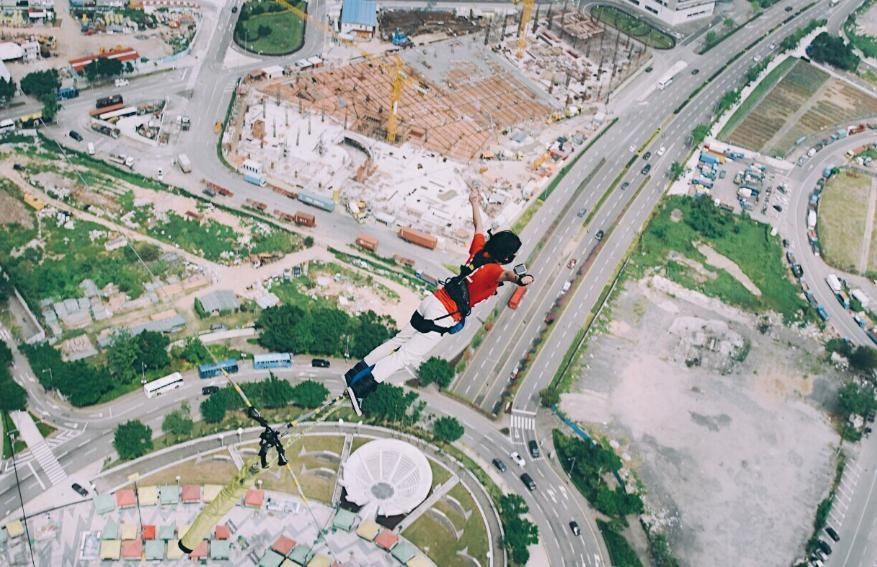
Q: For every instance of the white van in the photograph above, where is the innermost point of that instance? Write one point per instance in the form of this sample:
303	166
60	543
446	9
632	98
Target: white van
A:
90	149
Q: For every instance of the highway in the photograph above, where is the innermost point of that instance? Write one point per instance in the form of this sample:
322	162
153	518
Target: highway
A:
488	374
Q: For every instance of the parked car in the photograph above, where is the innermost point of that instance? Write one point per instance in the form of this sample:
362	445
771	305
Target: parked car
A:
646	169
79	490
625	185
234	9
648	69
320	363
778	208
574	526
832	533
632	149
18	167
518	459
647	155
661	150
76	135
785	242
695	71
599	235
534	448
797	270
824	547
207	390
500	466
571	264
582	212
528	482
788	8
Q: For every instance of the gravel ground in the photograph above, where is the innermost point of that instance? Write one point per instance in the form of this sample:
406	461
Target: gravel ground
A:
724	426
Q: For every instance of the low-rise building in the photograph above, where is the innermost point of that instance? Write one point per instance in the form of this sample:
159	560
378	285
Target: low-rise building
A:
676	12
359	17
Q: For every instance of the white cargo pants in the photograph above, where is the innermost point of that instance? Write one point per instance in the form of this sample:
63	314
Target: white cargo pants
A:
409	347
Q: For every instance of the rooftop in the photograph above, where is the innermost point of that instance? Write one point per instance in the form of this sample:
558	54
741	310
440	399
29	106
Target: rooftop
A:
360	12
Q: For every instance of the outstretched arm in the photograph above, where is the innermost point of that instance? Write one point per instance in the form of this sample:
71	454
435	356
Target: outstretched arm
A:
475	200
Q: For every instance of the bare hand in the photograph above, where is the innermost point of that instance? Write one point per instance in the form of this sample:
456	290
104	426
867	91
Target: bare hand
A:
527	279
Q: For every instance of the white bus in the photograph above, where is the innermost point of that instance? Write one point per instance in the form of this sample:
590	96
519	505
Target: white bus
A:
7	125
162	385
667	78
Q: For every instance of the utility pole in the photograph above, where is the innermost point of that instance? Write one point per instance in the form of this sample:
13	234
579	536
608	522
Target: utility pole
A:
11	435
134	478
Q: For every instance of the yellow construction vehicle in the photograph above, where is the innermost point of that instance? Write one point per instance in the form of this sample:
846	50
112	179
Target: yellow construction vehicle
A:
526	10
217	127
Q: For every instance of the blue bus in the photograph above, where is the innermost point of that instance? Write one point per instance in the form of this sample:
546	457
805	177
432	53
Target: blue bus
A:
272	360
228	366
318	201
253	173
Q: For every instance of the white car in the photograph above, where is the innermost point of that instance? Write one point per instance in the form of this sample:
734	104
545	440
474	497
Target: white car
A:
121	82
757	58
632	149
661	150
518	459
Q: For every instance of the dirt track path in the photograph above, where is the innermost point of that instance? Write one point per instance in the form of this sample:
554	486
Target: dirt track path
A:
865	252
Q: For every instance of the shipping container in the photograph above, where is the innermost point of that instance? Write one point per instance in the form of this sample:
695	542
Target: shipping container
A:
404	261
516	297
367	242
420	238
313	200
302	218
108	101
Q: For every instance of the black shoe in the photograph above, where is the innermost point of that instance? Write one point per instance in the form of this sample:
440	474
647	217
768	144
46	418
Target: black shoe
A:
350	375
360	390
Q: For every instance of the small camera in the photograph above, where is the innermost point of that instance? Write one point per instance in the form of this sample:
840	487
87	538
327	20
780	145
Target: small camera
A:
520	270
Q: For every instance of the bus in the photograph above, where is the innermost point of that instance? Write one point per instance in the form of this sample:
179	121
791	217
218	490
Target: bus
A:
162	385
7	125
667	79
272	360
108	101
228	366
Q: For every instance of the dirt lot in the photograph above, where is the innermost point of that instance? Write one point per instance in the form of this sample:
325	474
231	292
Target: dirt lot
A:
722	424
867	23
843	224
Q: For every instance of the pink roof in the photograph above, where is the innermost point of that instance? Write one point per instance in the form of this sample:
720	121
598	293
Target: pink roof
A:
221	532
201	550
148	531
132	549
254	498
125	498
191	493
386	539
283	545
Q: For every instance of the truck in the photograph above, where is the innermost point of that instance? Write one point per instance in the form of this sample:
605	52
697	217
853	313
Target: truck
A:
316	201
811	219
257	205
417	237
707	158
842	299
122	159
108	101
402	260
834	283
252	171
368	242
302	218
184	163
516	297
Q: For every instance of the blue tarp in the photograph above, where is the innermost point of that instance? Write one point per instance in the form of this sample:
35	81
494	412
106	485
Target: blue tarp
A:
360	12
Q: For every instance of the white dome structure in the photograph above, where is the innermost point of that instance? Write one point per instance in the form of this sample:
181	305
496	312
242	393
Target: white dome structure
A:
388	477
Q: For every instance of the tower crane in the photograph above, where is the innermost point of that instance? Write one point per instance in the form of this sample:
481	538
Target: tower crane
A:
526	10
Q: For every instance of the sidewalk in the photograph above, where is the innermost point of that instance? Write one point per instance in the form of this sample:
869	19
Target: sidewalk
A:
28	432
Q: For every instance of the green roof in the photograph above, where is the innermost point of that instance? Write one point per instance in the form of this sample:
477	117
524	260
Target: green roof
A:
154	549
344	520
271	559
111	530
300	554
167	532
169	494
104	503
403	551
220	549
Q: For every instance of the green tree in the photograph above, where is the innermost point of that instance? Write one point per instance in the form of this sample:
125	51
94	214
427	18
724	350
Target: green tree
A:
729	22
39	83
12	396
389	403
437	370
214	407
699	134
263	30
711	38
864	359
309	394
676	170
132	439
7	90
179	421
309	241
152	350
831	49
285	328
194	351
328	325
520	533
369	331
447	429
50	107
122	358
549	397
103	67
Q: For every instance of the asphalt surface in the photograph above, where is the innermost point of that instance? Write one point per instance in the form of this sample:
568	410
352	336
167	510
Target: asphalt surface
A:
854	512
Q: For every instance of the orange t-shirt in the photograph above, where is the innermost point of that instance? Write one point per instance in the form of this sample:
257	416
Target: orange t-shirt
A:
482	282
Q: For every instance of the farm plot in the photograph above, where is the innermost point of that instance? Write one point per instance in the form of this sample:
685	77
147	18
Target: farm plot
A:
774	111
842	211
838	103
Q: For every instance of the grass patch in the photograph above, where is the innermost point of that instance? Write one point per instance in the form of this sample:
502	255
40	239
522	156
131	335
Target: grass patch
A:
210	471
621	553
274	31
843	209
44	428
756	95
742	240
528	214
8	426
436	540
632	25
440	474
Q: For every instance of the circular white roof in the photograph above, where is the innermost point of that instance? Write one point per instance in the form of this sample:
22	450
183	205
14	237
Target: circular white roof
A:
388	476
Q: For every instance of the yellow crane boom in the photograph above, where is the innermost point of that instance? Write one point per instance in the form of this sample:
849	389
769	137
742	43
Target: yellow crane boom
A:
526	10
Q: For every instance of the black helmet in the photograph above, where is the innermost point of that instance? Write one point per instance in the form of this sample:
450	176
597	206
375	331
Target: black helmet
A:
502	246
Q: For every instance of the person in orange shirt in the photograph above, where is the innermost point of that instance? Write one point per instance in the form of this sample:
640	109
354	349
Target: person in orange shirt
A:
443	311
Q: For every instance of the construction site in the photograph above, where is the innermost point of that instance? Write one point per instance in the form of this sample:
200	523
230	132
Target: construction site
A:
491	110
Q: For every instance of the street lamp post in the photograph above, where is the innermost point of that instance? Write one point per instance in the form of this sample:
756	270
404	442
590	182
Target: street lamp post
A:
20	498
134	478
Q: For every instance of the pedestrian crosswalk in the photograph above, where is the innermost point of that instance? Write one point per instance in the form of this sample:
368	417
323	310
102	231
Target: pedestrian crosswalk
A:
525	422
5	336
50	464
